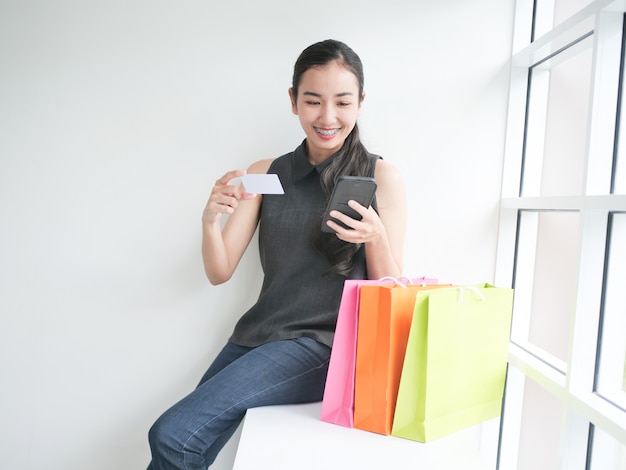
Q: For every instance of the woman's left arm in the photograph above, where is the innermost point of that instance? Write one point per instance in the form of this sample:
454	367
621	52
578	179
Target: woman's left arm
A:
382	233
384	252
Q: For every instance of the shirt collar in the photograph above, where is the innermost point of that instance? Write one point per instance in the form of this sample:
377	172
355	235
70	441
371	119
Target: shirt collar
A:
302	167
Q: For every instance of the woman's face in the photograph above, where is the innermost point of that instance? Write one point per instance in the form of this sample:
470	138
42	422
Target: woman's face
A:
328	104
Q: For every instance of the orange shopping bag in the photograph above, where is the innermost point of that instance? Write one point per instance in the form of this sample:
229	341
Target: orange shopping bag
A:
385	314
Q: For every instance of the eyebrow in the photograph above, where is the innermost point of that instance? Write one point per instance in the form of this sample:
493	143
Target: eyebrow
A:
317	95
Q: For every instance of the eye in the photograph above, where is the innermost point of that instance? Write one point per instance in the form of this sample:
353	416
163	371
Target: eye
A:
344	103
312	103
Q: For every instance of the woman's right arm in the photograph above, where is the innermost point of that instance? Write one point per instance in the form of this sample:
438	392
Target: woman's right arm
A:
222	249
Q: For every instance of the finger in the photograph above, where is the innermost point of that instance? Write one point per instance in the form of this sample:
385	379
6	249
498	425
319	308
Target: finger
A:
246	195
224	180
362	210
231	190
222	187
225	203
219	204
341	217
347	235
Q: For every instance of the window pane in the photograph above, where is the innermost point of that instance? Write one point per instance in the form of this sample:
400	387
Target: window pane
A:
553	12
619	179
545	281
556	136
612	371
606	452
619	173
541	429
563	9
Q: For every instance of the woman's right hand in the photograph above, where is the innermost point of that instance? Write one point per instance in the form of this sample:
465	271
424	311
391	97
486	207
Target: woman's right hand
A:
224	197
222	248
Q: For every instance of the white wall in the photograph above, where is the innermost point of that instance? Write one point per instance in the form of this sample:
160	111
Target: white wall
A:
116	117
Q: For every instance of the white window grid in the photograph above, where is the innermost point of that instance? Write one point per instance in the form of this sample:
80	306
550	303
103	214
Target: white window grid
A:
599	26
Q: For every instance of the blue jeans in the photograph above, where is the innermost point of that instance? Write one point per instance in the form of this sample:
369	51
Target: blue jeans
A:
191	433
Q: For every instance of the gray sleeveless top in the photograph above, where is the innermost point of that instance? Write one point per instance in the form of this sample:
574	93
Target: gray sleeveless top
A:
298	297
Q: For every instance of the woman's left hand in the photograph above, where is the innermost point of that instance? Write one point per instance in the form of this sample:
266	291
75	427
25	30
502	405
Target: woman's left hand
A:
368	229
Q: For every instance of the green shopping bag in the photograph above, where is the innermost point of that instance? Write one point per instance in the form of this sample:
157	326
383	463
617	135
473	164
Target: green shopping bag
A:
455	364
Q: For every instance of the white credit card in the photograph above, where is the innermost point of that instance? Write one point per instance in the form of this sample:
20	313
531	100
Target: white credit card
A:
262	184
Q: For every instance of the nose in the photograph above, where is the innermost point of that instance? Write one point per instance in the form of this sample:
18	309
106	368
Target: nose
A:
327	114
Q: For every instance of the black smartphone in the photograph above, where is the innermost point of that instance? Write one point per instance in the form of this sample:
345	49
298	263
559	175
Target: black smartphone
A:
358	188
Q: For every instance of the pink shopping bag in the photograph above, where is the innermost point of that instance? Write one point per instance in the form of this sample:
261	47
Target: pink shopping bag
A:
338	401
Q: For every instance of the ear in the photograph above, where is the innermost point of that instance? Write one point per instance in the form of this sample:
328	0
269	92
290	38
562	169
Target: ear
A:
294	107
361	102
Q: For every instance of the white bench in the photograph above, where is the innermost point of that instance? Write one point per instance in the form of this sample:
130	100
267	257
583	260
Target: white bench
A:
292	437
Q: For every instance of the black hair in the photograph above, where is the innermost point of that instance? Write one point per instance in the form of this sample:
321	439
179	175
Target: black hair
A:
352	159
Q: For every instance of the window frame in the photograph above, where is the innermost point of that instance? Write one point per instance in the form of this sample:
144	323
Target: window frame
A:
575	387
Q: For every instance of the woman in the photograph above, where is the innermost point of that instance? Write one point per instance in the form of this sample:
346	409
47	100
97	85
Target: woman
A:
279	350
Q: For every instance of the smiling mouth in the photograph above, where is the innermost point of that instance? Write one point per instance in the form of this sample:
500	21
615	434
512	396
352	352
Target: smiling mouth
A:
326	132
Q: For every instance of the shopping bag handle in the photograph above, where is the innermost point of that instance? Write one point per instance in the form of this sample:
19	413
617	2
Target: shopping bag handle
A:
478	293
398	281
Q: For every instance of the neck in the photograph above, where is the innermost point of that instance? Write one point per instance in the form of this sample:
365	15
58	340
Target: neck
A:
317	157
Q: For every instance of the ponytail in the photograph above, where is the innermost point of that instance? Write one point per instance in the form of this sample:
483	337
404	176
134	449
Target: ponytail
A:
352	160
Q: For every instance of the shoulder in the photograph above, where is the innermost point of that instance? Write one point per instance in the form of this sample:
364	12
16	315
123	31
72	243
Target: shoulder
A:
386	174
260	166
390	193
263	166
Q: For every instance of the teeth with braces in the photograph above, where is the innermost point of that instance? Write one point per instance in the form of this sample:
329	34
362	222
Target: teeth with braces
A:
326	133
